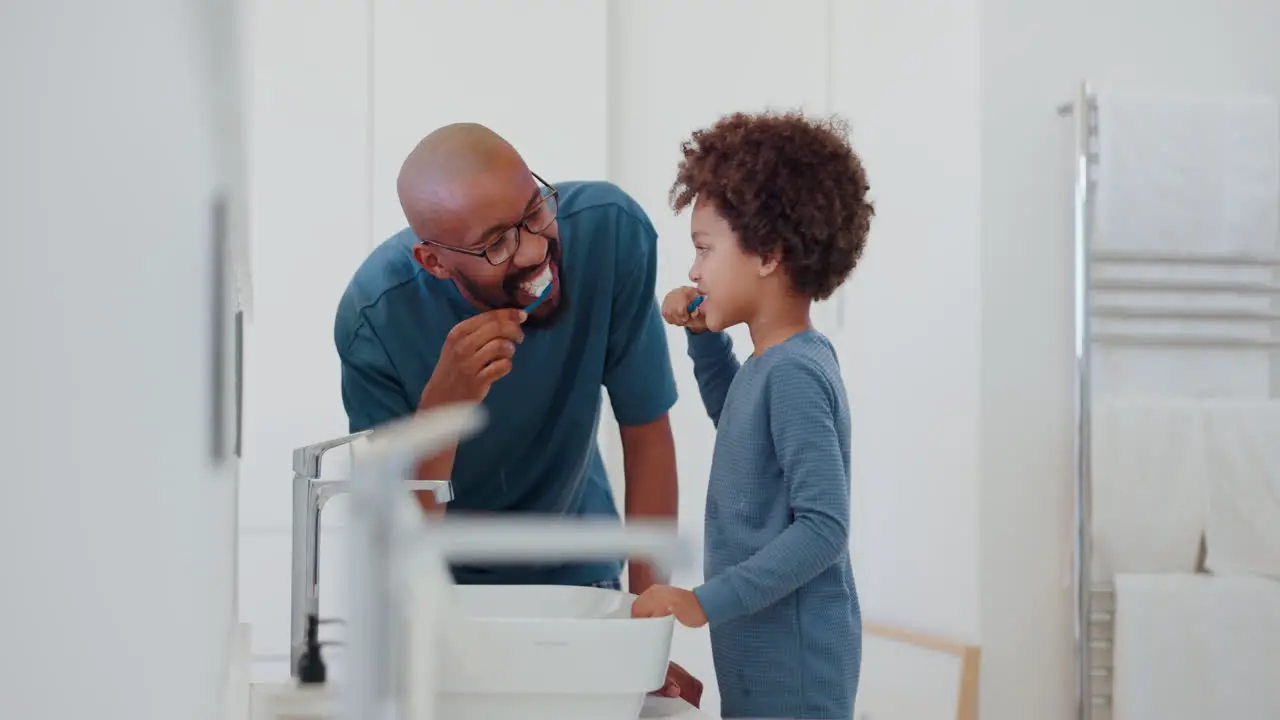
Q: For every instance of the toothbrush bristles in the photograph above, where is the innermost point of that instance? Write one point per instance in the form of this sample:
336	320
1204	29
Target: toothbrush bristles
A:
546	290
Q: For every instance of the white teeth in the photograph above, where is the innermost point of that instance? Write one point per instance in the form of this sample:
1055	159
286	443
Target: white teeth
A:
535	285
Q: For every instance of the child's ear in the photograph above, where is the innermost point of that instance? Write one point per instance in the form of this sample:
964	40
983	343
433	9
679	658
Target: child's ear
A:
768	265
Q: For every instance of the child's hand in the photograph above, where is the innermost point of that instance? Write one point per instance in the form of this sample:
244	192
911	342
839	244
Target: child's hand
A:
663	600
675	310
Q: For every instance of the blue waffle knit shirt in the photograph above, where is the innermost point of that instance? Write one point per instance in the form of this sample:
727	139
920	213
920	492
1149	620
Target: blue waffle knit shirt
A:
786	629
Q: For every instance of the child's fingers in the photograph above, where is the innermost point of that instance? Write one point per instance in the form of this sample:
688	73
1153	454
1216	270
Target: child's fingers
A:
676	316
646	607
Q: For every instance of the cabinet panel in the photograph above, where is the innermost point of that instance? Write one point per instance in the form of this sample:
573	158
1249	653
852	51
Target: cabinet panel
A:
676	66
538	76
118	524
759	55
308	219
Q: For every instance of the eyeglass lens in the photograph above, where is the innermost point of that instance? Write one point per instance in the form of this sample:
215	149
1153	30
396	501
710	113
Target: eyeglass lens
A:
539	219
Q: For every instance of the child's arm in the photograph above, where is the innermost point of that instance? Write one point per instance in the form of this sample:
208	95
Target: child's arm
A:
802	418
714	366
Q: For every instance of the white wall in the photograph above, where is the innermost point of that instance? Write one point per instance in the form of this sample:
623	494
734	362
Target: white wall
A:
907	76
117	529
1033	55
308	137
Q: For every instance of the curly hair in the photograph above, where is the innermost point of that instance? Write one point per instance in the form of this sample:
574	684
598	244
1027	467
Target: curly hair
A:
789	186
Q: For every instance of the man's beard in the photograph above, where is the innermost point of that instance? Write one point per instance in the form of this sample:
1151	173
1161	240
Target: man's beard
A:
509	295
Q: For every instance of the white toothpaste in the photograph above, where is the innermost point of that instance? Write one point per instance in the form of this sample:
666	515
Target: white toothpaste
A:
536	285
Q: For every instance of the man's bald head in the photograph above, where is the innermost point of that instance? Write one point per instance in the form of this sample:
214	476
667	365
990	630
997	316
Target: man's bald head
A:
440	177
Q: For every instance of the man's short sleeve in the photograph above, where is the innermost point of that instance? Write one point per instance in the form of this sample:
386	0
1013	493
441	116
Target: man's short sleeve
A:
371	391
637	370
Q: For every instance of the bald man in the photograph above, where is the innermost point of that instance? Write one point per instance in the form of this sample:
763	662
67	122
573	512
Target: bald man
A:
453	309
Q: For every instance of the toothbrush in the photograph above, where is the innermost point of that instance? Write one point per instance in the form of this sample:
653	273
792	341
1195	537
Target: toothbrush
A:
541	297
694	305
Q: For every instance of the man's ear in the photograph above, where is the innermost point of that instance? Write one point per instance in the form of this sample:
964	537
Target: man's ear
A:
426	257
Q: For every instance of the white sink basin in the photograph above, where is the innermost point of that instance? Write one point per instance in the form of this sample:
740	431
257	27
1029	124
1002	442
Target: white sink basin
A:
537	652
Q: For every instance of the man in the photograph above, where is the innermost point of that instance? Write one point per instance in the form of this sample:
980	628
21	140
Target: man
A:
434	316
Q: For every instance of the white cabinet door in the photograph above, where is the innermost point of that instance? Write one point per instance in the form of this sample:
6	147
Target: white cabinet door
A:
308	74
677	66
537	73
759	55
534	72
118	526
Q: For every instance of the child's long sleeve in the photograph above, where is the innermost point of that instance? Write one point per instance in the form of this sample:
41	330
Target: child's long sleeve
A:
714	366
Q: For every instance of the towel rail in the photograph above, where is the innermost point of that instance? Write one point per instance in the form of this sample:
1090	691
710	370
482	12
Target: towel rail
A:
1094	598
1189	259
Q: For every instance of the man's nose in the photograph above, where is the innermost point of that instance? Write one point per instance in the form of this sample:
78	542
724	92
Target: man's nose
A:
532	250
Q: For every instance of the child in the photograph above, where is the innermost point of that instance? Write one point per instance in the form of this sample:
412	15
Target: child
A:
780	218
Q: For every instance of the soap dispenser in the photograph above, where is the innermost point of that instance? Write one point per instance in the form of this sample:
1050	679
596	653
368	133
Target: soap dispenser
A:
311	697
311	668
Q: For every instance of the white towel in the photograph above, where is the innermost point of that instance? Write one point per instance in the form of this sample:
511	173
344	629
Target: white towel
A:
1184	175
1150	503
1243	533
1150	492
1192	647
1191	177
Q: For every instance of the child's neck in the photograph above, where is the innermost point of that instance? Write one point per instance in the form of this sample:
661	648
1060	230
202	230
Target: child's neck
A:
777	322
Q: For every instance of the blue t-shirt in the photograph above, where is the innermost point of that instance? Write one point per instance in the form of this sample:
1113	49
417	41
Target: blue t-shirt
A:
538	453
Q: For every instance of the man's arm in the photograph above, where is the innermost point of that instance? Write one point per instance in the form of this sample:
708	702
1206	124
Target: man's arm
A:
649	464
372	395
640	381
439	467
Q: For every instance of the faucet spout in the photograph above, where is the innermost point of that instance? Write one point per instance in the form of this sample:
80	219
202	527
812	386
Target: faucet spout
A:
310	495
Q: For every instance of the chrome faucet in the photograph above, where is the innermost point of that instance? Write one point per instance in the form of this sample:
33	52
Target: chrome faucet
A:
310	494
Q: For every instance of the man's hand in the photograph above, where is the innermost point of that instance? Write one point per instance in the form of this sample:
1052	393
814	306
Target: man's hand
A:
682	685
663	600
675	310
476	354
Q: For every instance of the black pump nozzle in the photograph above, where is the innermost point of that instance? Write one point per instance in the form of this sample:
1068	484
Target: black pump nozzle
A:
311	669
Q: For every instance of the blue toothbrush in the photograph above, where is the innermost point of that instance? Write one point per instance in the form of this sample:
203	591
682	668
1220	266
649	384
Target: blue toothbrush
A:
694	305
546	291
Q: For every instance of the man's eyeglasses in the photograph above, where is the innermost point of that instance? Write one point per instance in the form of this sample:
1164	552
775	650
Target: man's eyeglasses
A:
504	245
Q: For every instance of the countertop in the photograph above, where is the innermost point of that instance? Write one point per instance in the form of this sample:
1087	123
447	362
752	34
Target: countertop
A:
655	708
661	708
